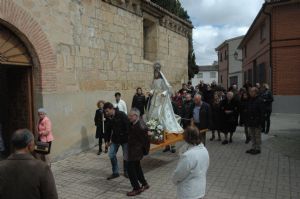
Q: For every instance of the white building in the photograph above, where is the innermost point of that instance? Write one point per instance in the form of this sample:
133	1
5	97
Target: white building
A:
230	63
207	74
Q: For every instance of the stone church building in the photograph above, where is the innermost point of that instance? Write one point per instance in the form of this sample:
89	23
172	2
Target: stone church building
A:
65	55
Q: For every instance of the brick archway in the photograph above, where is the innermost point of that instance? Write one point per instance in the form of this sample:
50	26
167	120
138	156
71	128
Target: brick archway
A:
30	32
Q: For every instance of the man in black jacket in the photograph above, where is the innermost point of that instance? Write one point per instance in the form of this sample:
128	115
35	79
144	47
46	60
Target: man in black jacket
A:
200	115
254	120
116	135
138	146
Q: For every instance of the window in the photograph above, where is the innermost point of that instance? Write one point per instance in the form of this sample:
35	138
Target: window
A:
262	73
220	56
255	73
245	77
250	76
200	75
263	32
226	55
245	51
221	79
233	80
212	74
150	40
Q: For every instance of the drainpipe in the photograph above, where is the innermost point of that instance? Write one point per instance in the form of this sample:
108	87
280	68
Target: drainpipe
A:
270	45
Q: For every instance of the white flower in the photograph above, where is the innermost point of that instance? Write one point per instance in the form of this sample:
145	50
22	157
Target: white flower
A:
160	127
156	137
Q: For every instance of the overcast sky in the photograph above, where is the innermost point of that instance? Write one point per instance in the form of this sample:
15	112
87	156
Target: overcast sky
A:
216	21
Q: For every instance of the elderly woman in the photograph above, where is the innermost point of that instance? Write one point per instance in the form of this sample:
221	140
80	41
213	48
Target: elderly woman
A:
44	130
190	174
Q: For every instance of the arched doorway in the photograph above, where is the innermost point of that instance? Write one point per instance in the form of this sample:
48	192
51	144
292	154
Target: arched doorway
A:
16	89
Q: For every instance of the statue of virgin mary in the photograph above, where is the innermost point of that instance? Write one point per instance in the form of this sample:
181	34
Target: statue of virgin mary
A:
160	105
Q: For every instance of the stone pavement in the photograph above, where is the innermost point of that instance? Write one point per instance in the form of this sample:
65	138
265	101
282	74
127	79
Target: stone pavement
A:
232	174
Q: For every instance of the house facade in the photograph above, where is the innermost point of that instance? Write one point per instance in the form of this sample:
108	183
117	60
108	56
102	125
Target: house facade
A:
66	55
271	50
230	67
207	74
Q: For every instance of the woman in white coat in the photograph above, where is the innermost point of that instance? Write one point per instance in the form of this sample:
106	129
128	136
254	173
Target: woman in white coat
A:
190	174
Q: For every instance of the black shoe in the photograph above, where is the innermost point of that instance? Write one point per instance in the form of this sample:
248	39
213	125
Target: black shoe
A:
166	149
255	152
230	140
225	142
247	140
126	175
134	192
212	138
113	176
250	151
173	150
145	187
99	152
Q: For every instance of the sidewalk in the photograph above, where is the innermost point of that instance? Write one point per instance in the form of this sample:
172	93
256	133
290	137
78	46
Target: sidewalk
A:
232	174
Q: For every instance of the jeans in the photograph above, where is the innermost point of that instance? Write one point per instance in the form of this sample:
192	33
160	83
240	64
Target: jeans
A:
112	154
136	175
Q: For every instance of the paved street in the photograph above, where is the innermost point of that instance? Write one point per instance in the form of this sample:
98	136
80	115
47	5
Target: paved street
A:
232	174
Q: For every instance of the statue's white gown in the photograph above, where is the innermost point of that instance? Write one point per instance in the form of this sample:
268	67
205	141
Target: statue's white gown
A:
161	107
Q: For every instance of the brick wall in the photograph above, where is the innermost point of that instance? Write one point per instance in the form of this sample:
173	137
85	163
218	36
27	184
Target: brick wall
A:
31	33
286	49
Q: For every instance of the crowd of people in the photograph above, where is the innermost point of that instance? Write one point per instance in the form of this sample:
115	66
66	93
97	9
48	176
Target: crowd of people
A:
250	106
205	106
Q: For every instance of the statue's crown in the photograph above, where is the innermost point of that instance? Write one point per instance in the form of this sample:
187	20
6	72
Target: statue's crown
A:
157	66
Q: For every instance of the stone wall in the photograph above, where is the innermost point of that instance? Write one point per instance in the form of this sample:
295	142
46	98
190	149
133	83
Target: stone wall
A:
99	50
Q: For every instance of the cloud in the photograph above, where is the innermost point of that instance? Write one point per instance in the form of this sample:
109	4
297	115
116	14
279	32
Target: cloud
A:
207	38
216	21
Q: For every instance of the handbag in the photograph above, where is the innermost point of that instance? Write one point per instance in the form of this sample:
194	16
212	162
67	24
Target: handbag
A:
42	147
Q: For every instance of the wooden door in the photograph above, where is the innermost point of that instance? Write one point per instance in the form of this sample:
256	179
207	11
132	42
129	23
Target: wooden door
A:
16	79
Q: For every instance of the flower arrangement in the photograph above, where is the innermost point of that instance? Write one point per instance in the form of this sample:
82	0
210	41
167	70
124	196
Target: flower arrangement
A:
157	131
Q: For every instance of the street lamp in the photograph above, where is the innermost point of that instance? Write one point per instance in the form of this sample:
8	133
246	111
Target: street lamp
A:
236	56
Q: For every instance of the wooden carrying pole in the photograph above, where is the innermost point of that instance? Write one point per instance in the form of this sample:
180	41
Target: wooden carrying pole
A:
170	138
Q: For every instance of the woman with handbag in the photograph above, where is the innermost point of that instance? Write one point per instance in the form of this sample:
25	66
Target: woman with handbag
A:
44	130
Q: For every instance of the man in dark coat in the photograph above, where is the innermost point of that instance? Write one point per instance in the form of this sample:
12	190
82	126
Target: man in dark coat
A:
186	111
116	135
138	146
267	99
229	115
254	120
200	115
23	176
139	101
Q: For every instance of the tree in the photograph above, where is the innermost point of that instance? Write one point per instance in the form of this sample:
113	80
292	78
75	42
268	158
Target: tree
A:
192	66
175	7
